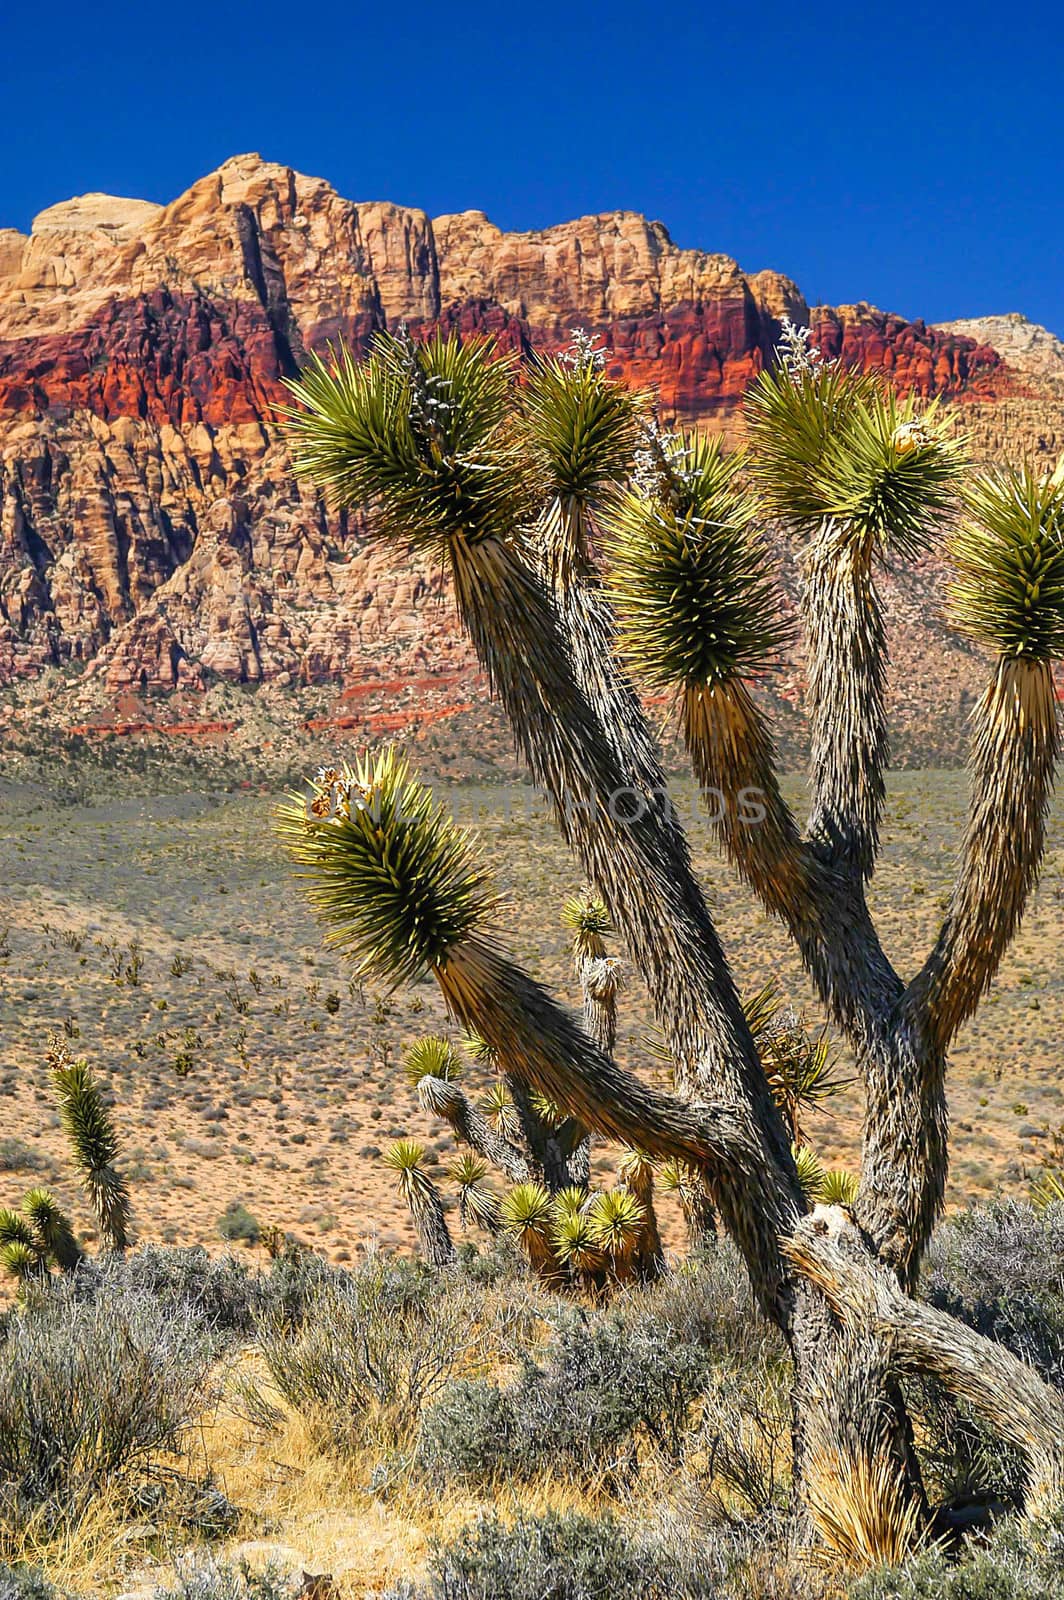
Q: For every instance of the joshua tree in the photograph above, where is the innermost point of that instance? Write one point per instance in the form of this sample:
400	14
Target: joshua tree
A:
583	545
93	1138
41	1236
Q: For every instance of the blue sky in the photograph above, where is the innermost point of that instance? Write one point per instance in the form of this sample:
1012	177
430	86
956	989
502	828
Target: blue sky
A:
912	156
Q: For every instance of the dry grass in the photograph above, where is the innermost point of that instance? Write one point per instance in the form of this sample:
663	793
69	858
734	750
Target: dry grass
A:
860	1512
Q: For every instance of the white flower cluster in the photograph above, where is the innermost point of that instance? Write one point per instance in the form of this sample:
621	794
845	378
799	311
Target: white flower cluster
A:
796	350
585	351
429	397
660	463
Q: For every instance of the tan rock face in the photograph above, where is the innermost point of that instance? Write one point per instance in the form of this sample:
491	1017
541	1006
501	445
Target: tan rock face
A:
149	522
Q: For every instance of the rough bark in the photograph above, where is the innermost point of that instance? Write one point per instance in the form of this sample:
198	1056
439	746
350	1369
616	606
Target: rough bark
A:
829	1251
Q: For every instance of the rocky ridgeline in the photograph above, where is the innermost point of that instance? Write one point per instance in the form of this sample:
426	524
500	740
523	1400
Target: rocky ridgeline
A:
150	527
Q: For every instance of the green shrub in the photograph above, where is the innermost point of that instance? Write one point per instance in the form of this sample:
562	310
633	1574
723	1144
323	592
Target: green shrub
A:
237	1223
90	1390
1000	1269
542	1558
375	1346
602	1388
1018	1563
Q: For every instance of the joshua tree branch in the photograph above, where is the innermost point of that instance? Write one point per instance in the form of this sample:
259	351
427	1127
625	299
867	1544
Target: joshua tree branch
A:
1015	748
1006	1393
472	1128
843	622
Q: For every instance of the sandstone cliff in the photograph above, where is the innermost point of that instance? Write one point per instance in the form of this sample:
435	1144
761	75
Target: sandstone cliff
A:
149	526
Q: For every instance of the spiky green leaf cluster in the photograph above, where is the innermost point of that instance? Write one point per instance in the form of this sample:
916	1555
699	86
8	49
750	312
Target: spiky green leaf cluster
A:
800	1064
831	443
580	429
546	1110
404	1157
432	1057
52	1229
15	1229
810	1170
574	1242
477	1201
480	1052
1048	1191
501	1112
391	874
832	1187
838	1187
636	1171
418	432
589	922
616	1222
762	1008
527	1211
20	1261
468	1169
570	1200
1009	558
691	578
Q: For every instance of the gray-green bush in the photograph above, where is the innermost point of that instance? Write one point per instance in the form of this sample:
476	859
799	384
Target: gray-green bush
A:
607	1385
91	1391
376	1345
550	1558
1018	1563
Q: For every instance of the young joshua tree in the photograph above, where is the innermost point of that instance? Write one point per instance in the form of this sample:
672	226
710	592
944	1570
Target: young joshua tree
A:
584	546
93	1138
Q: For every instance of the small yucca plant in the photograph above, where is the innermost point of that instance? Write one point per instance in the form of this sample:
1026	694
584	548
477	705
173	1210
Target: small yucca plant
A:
90	1129
527	1216
801	1067
575	1244
1048	1191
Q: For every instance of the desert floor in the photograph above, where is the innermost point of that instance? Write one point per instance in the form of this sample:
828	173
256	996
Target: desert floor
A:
167	941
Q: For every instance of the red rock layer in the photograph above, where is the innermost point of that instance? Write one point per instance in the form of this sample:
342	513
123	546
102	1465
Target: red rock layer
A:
150	526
